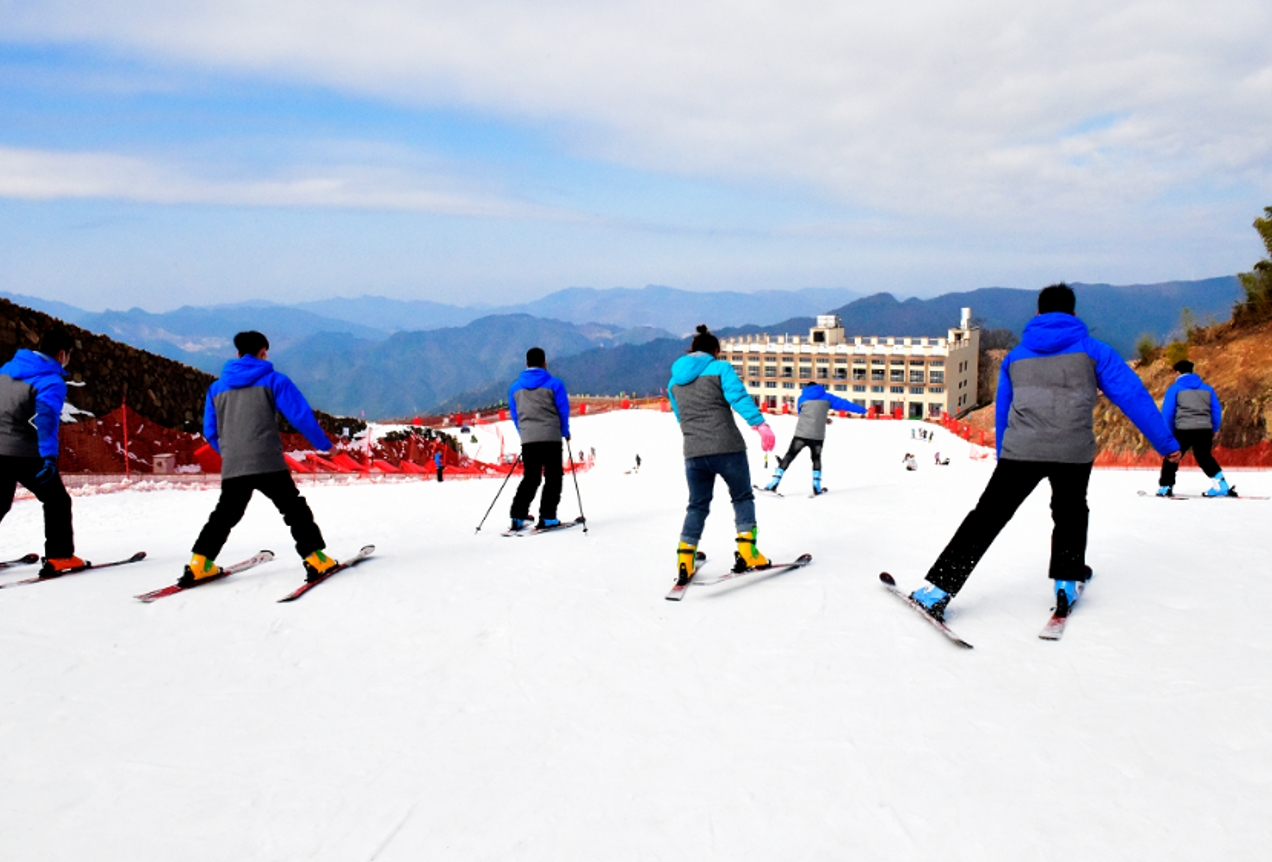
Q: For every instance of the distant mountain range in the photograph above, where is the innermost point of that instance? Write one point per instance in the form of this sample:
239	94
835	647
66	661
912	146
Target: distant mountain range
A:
389	358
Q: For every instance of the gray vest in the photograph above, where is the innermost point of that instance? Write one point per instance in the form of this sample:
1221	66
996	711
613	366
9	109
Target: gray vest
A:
538	420
18	437
706	419
812	420
247	430
1192	410
1052	406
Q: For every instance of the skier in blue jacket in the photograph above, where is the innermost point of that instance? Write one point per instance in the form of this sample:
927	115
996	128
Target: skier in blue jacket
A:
32	392
540	409
240	422
1047	392
814	406
1191	410
705	392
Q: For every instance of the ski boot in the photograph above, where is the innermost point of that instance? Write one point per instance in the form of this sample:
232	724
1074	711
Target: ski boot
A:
748	556
318	564
1066	596
933	600
55	567
519	524
817	488
1219	487
776	480
200	568
687	560
1166	491
547	523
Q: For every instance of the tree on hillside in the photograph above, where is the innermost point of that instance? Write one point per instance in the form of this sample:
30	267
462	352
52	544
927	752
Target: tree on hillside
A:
1257	284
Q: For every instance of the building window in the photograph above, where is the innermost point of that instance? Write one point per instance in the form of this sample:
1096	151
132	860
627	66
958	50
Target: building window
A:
938	363
860	402
858	388
788	371
897	390
770	384
896	405
877	405
898	375
916	375
753	370
770	370
788	385
876	389
878	362
877	374
805	372
936	390
823	373
898	362
859	362
859	374
841	387
936	377
916	409
737	369
916	390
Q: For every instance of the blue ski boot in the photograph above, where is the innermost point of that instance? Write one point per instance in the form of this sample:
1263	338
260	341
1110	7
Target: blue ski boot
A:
1066	596
1165	491
817	488
1220	487
519	524
777	479
547	523
932	599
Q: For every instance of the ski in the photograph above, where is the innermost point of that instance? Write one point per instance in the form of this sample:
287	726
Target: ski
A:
262	557
891	584
1054	628
678	589
366	551
135	558
767	491
564	525
20	561
771	568
1231	495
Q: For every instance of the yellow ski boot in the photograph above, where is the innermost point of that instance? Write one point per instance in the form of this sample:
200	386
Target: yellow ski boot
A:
687	556
748	556
200	568
317	564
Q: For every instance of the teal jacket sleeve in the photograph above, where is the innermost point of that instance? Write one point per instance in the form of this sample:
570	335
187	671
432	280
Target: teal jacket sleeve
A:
737	396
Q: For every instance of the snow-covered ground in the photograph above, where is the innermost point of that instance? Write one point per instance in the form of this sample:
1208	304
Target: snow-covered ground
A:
474	697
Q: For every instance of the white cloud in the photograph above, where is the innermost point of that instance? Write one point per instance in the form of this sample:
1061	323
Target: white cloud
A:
45	175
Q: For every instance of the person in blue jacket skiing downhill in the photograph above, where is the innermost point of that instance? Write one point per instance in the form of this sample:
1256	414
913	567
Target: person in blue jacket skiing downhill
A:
32	392
814	407
540	409
1047	390
240	422
1192	412
704	392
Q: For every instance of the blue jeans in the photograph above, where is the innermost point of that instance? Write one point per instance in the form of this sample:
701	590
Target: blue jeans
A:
701	473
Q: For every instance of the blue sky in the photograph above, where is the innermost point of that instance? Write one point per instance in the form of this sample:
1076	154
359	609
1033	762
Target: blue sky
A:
158	154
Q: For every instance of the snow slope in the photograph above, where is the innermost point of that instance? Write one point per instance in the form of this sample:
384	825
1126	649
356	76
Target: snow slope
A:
475	697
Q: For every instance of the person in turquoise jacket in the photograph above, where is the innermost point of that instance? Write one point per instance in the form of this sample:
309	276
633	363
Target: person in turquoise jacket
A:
1192	411
705	392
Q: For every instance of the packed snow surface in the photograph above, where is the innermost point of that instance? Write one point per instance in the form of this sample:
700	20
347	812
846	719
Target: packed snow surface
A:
475	697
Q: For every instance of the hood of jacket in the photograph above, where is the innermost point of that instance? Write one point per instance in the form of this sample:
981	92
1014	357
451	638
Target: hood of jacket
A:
1189	381
813	392
689	367
245	371
1053	332
533	378
29	364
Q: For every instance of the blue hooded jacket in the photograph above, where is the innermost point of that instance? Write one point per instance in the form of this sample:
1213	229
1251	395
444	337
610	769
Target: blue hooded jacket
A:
1047	392
703	391
814	404
539	401
1186	406
31	373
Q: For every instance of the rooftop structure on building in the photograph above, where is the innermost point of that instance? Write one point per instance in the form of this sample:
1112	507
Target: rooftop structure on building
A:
914	377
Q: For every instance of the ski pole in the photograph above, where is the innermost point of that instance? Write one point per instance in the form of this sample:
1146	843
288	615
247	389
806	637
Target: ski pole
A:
575	474
497	493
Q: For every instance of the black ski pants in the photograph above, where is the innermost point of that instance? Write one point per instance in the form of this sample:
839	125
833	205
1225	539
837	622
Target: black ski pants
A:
1011	483
281	490
59	535
540	460
1198	440
797	446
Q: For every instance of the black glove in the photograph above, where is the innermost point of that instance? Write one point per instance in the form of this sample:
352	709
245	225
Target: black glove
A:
48	472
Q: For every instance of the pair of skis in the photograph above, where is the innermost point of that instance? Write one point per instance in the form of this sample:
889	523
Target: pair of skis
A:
1052	631
678	589
776	493
256	560
534	531
1231	495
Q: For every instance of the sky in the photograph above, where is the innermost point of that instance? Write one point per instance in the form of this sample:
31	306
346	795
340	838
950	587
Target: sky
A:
159	153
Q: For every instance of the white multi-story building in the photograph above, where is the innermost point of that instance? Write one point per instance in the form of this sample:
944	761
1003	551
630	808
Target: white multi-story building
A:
916	377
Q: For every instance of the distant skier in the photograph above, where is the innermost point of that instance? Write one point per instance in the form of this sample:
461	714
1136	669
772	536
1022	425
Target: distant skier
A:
910	463
814	407
240	422
439	464
1192	411
540	410
637	468
1047	392
703	391
32	392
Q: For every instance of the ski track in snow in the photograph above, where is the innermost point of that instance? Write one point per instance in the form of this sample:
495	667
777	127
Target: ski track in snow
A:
474	697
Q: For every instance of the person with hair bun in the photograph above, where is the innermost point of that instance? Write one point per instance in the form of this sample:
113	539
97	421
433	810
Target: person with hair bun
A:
705	392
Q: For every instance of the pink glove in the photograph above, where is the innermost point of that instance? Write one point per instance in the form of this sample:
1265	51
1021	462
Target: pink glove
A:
767	440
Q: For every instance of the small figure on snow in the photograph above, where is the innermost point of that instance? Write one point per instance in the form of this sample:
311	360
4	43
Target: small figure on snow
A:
32	392
1047	392
439	464
1191	410
703	390
909	462
814	407
939	462
540	409
239	421
636	469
